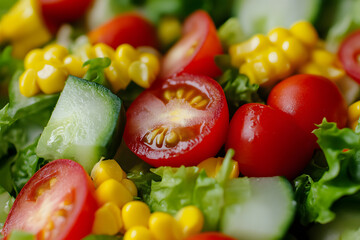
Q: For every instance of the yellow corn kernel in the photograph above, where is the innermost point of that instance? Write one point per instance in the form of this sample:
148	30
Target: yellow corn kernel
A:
191	220
141	74
278	35
138	233
107	220
263	70
33	57
295	51
312	68
152	61
126	53
27	83
51	79
102	50
353	114
169	30
212	166
130	185
240	51
74	66
117	76
279	62
55	52
248	70
164	226
85	52
106	169
305	32
323	57
135	213
113	191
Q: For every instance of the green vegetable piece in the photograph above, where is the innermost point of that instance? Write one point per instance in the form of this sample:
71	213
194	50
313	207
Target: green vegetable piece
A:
231	32
6	202
20	235
86	124
96	70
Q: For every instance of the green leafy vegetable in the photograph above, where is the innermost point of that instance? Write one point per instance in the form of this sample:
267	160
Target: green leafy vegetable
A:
129	94
6	201
231	32
20	235
341	148
5	5
102	237
96	70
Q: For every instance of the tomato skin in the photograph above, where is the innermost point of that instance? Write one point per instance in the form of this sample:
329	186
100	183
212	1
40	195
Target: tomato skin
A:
210	236
61	11
348	53
267	142
198	30
203	131
129	28
309	99
71	180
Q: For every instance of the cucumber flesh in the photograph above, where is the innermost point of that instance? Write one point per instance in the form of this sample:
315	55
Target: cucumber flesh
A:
258	208
85	124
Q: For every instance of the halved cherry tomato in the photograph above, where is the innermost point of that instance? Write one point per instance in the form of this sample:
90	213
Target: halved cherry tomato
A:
210	236
58	202
195	51
349	55
179	121
309	99
61	11
128	28
268	142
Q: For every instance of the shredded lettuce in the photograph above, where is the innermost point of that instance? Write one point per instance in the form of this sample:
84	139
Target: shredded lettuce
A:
6	201
96	70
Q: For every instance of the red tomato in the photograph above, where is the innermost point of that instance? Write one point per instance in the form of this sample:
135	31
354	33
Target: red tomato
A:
309	99
267	142
210	236
195	51
128	28
58	202
179	121
60	11
349	55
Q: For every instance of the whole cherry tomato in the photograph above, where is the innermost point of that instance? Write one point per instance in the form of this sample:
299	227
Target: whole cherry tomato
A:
195	51
268	142
178	121
309	99
210	236
61	11
58	202
349	55
129	28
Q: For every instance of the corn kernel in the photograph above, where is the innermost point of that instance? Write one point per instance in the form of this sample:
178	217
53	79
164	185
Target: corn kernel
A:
212	167
106	169
55	52
312	68
74	66
263	70
126	53
164	226
169	30
130	185
278	35
138	233
107	220
51	79
323	57
191	220
295	51
354	112
305	32
280	63
33	57
135	213
141	74
151	60
113	191
117	75
27	83
248	70
102	50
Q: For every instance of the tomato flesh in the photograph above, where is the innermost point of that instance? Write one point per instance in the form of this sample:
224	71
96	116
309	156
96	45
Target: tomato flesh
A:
267	142
58	202
179	121
210	236
195	51
349	55
128	28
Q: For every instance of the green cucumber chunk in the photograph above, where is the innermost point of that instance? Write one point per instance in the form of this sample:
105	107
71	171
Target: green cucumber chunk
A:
86	124
257	208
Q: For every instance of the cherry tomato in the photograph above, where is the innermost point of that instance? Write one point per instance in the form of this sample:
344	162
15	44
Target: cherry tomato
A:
128	28
210	236
309	99
58	202
349	55
268	142
178	121
195	51
61	11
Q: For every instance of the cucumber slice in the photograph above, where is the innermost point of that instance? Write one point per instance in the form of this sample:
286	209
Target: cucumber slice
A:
257	208
260	16
86	124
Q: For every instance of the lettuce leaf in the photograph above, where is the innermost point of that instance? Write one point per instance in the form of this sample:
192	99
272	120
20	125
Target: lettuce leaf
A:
6	202
315	197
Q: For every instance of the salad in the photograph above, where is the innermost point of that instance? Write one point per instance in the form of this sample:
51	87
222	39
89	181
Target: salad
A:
179	120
